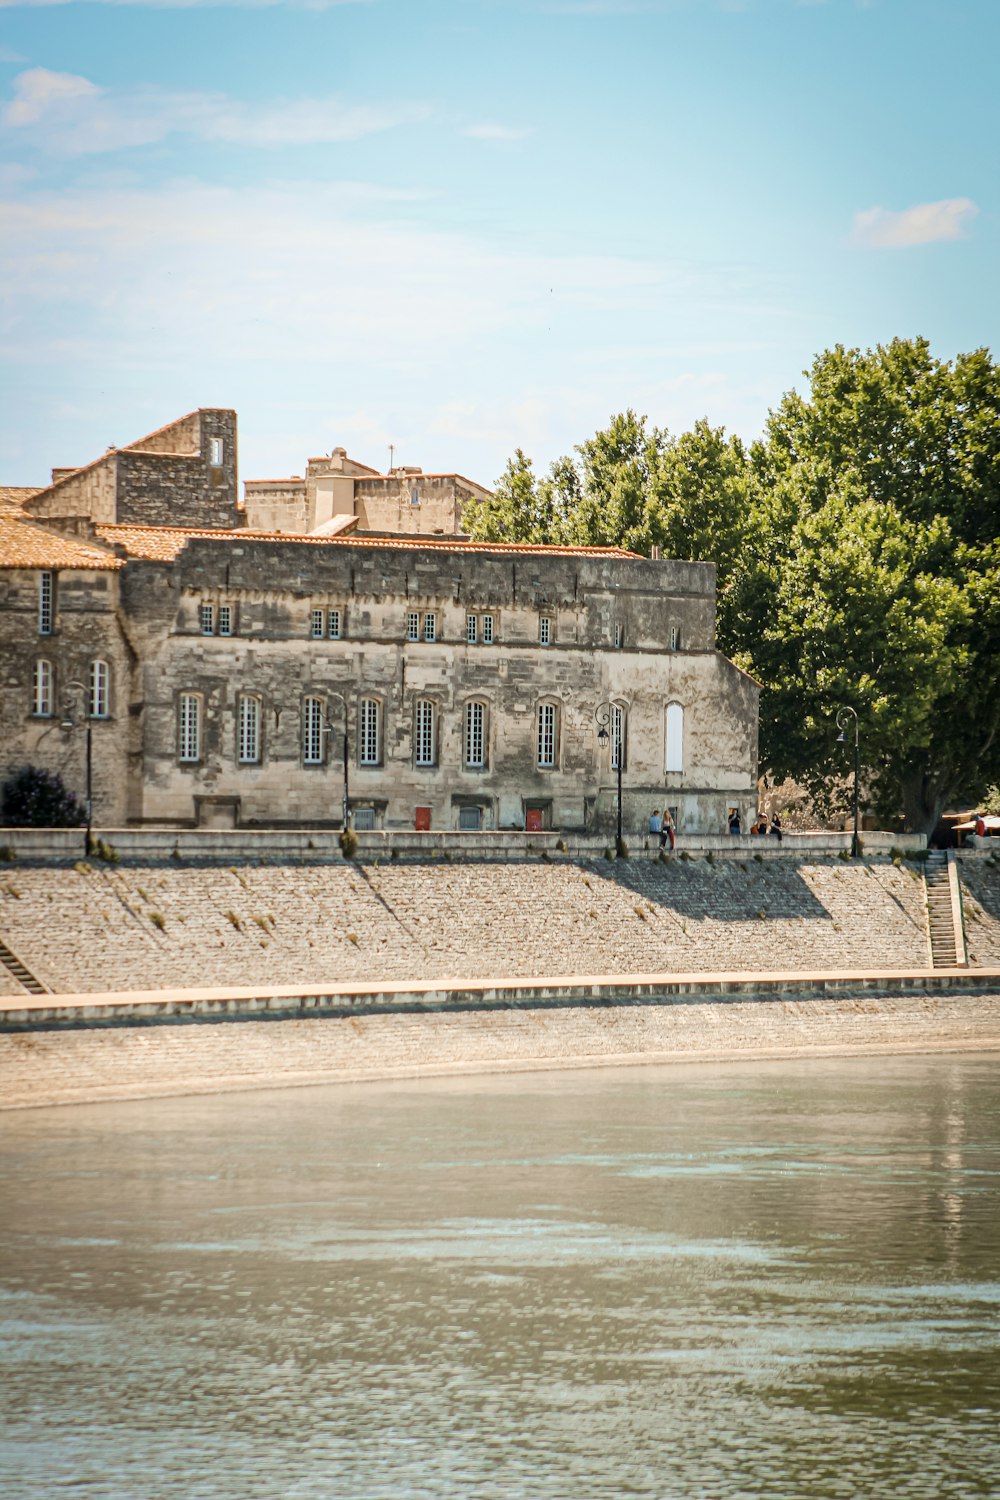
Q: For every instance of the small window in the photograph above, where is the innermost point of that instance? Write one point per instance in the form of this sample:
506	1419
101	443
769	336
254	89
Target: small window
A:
98	695
312	732
316	624
334	624
475	736
43	690
470	819
430	627
45	595
619	729
189	727
363	819
424	732
216	452
414	494
675	638
674	760
545	630
619	636
249	730
487	630
225	619
370	732
546	735
206	618
413	626
471	629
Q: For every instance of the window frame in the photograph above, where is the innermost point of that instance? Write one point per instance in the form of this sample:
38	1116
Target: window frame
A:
547	735
475	708
313	742
43	688
46	601
674	711
189	714
546	630
618	734
99	689
216	452
413	621
370	731
335	624
430	626
249	737
425	734
206	617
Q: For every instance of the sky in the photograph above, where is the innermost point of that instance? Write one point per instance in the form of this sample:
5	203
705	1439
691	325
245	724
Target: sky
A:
447	229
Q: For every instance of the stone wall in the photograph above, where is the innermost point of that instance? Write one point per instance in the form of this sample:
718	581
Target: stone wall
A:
103	928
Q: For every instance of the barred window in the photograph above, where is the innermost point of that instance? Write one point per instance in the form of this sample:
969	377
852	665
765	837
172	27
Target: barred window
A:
100	676
206	618
370	730
545	630
312	732
43	689
333	624
45	593
487	630
413	626
471	628
225	619
430	627
475	735
546	734
316	624
674	759
249	730
424	732
189	727
619	726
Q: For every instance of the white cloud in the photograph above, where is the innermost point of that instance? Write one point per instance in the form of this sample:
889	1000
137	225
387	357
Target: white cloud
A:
71	115
921	225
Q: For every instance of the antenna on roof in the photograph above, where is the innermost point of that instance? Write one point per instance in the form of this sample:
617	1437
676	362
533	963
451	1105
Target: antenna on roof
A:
392	450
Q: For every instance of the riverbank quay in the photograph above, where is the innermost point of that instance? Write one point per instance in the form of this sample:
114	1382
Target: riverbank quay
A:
90	1048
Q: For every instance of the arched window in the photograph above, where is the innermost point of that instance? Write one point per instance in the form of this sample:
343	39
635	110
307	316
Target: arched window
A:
43	689
248	741
370	732
425	732
674	760
547	735
312	732
100	677
188	727
618	729
474	736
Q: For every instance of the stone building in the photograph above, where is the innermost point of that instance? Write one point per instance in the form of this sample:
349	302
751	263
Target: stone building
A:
222	667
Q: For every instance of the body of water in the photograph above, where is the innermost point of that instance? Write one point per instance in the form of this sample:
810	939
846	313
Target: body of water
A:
758	1279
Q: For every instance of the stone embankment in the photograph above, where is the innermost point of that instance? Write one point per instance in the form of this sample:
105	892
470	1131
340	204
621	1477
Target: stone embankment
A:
100	927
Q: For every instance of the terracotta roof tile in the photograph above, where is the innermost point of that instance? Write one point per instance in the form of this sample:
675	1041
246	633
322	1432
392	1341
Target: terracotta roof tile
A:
13	496
164	543
25	546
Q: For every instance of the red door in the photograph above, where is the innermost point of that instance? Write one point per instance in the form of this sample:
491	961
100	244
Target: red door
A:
533	819
422	819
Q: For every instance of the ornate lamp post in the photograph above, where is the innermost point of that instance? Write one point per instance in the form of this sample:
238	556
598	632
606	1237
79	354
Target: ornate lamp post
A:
844	718
69	724
609	718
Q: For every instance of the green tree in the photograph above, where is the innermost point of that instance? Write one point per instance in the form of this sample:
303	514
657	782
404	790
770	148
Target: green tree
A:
35	798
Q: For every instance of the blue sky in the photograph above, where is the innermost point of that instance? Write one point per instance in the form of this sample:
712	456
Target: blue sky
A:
464	226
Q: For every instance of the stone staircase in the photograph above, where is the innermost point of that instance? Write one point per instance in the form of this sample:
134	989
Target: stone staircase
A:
20	971
943	921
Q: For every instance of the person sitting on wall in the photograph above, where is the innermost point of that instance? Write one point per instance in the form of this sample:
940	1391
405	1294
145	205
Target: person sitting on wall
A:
656	825
776	826
735	827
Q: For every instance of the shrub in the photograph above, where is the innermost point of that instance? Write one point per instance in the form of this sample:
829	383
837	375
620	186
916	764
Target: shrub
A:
348	843
158	920
7	854
231	916
34	798
107	852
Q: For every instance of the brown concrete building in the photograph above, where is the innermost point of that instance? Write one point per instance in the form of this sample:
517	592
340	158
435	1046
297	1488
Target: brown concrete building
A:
223	666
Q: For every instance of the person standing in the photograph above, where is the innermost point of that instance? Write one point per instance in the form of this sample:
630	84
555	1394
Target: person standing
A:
669	831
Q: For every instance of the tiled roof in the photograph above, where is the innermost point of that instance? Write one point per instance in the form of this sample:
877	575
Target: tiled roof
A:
164	543
25	546
13	496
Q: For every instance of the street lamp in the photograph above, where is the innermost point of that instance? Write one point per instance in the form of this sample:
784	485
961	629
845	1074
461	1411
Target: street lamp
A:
328	728
844	717
69	724
605	715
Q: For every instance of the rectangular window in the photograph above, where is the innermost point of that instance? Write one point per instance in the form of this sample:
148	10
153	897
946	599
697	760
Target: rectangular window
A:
312	732
675	639
45	591
475	735
414	495
249	746
545	630
619	636
470	819
206	619
98	695
316	624
471	628
617	736
216	451
189	727
546	734
370	727
430	627
413	626
333	624
363	819
424	732
487	630
225	619
43	689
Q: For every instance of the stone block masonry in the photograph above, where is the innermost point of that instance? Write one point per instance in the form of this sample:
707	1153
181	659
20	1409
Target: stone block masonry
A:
92	927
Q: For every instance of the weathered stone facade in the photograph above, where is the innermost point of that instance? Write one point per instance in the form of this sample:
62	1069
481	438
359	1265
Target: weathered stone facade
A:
469	679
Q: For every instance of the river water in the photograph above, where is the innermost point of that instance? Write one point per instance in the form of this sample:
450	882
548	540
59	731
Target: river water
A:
756	1279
